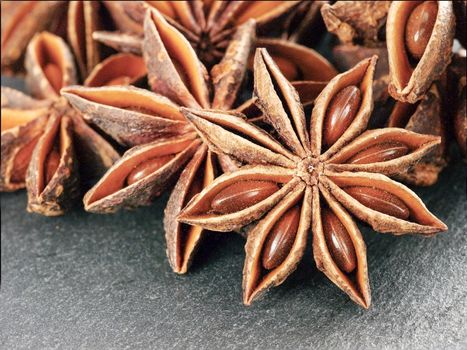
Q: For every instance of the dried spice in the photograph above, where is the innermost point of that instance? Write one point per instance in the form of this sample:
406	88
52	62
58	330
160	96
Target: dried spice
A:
208	26
285	174
118	69
310	180
39	137
23	121
356	22
424	117
427	116
75	20
20	21
419	40
359	25
163	142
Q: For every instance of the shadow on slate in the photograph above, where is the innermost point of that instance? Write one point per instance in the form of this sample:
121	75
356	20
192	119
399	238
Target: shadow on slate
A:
103	281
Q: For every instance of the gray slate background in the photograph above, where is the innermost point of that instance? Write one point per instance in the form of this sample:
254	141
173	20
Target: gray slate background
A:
91	281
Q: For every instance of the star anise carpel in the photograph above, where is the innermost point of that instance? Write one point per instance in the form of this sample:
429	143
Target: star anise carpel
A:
314	180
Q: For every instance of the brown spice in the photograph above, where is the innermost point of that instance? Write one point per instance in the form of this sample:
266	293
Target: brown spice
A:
305	173
412	74
39	137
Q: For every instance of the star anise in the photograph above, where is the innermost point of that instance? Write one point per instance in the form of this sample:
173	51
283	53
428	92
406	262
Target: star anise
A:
162	141
73	20
43	141
207	25
310	180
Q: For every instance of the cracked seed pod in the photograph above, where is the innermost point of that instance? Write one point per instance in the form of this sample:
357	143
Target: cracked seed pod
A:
48	135
50	66
425	117
20	21
119	41
23	121
125	185
52	178
310	180
356	21
118	69
83	20
295	61
419	39
119	111
349	55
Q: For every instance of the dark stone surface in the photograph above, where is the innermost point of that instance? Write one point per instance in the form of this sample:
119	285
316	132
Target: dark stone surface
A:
91	281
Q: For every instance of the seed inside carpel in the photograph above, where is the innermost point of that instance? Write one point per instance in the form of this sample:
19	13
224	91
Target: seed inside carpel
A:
338	241
51	165
242	195
288	68
340	113
147	167
419	28
379	200
21	162
380	152
53	74
281	239
123	80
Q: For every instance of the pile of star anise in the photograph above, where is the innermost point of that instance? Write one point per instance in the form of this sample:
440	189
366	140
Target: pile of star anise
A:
253	132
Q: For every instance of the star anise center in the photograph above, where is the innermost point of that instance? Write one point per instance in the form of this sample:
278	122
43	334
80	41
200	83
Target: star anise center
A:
207	48
309	170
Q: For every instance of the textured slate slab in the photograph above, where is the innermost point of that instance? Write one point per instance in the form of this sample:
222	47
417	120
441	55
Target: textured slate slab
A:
90	281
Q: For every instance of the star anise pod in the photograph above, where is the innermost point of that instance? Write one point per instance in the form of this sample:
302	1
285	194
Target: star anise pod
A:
162	141
44	140
207	25
310	180
75	21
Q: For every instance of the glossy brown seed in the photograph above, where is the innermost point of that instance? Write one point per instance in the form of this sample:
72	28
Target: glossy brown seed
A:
281	239
340	113
288	68
379	200
117	81
51	165
241	195
380	152
148	167
21	162
338	241
419	27
54	76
